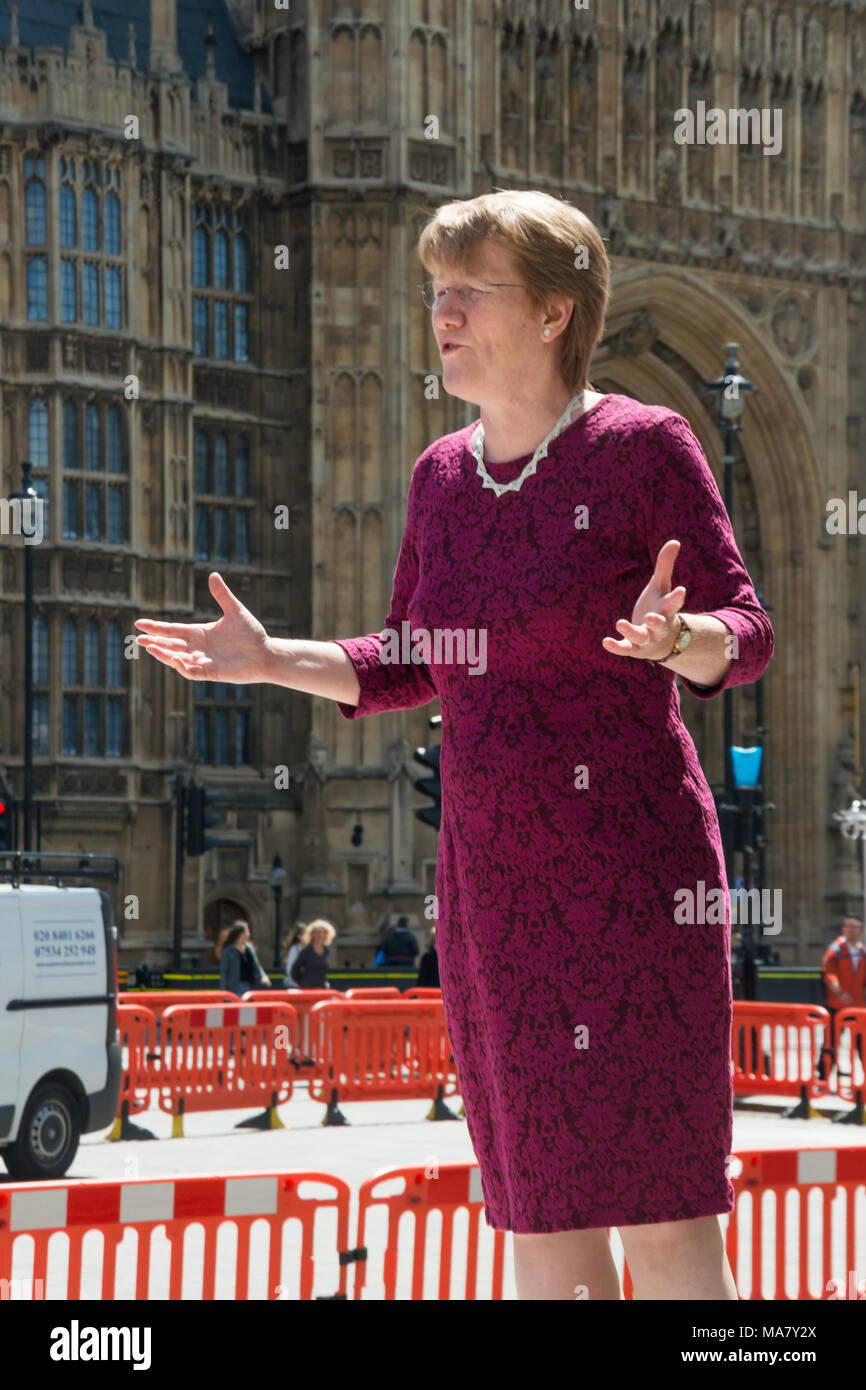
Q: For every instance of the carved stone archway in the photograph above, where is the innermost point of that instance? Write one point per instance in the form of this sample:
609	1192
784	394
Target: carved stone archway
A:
665	337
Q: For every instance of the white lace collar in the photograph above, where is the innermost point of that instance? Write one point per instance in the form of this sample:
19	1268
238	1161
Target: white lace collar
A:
476	444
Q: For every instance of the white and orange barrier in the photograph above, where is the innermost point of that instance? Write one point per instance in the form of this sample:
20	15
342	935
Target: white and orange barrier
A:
775	1050
393	1050
228	1057
302	1001
241	1237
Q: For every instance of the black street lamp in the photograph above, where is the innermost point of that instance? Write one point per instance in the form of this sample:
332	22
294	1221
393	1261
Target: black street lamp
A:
276	880
28	498
747	771
731	389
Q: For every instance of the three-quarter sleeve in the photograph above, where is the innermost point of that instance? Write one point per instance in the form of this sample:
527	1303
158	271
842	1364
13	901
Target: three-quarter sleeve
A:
682	502
390	685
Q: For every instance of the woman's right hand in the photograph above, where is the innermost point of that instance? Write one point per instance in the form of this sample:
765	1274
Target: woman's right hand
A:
235	648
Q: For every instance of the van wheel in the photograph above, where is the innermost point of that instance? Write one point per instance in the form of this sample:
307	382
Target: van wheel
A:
48	1135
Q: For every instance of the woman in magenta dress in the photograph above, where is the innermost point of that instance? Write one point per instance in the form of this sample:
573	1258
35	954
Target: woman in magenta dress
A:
564	556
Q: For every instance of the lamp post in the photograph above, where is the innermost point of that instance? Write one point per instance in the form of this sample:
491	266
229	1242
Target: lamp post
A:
27	495
276	880
852	824
730	389
746	765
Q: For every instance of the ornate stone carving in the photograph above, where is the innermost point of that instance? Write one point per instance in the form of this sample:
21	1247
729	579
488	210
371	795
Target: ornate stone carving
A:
792	327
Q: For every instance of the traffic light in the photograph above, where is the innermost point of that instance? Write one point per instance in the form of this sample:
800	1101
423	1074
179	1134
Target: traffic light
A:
199	820
7	822
430	786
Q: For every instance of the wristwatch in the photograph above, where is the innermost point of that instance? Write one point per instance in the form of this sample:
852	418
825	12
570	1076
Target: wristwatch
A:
684	637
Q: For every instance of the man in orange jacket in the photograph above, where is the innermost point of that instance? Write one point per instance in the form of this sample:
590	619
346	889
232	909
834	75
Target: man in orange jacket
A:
844	970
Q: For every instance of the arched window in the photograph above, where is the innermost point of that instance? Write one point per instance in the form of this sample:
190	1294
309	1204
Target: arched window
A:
241	266
70	435
90	292
90	220
242	466
199	257
221	466
69	653
40	650
37	287
68	219
202	467
34	201
91	653
112	224
113	440
37	431
113	655
91	437
221	261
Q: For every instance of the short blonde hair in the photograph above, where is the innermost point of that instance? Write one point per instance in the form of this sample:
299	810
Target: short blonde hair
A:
545	235
307	933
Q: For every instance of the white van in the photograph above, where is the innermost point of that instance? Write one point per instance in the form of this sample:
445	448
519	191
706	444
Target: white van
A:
59	1052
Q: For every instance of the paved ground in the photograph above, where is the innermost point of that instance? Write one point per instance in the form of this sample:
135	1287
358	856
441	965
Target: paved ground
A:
390	1134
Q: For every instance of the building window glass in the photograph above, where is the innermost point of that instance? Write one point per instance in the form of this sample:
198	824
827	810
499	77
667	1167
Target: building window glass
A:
69	652
90	293
104	502
68	219
112	224
68	291
37	288
70	725
113	440
221	466
40	724
90	220
202	466
221	265
34	201
222	723
222	531
113	311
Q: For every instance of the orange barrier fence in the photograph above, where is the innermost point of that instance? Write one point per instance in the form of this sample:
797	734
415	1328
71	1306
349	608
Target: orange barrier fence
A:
374	992
395	1050
137	1035
849	1042
302	1001
194	1238
422	992
775	1050
445	1188
809	1220
157	1001
793	1234
227	1058
813	1240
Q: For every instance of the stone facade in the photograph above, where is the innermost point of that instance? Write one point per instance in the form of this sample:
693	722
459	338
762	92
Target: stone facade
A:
271	351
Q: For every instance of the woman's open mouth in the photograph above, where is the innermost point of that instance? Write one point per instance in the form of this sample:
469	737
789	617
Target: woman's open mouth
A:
448	348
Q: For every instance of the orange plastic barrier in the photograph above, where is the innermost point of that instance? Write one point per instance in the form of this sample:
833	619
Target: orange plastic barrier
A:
850	1036
160	1000
395	1050
799	1266
374	992
137	1034
422	992
149	1206
775	1050
442	1187
231	1057
837	1175
302	1001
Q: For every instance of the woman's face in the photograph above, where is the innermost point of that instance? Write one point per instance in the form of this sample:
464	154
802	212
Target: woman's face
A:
242	940
500	350
318	936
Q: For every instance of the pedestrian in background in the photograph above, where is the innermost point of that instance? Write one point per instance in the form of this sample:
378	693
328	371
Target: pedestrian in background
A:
240	969
428	970
844	971
400	947
295	945
310	967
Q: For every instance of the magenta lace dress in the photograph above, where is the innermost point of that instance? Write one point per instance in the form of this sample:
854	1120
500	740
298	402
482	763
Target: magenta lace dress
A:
555	887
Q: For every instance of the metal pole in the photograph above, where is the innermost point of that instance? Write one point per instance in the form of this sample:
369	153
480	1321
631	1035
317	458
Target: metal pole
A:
180	805
727	694
28	492
278	893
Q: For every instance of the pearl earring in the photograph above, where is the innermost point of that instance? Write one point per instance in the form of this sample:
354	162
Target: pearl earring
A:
547	332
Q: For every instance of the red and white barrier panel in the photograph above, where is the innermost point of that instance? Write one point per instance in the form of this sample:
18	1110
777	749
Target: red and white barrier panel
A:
251	1236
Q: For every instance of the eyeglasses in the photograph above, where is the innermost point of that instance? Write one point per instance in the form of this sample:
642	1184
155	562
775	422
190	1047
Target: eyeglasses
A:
465	294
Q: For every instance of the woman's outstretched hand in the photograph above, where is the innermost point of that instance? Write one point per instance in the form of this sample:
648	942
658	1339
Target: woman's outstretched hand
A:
233	649
654	626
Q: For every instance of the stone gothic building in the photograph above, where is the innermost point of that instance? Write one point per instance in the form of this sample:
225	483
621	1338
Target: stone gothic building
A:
210	319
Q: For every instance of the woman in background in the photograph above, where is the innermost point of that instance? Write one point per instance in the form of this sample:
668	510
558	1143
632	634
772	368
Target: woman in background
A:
310	969
239	965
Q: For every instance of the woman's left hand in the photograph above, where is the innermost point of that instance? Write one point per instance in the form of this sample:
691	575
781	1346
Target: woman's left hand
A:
654	626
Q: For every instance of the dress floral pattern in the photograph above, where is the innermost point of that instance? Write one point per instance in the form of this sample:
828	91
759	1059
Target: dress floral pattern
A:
591	1031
